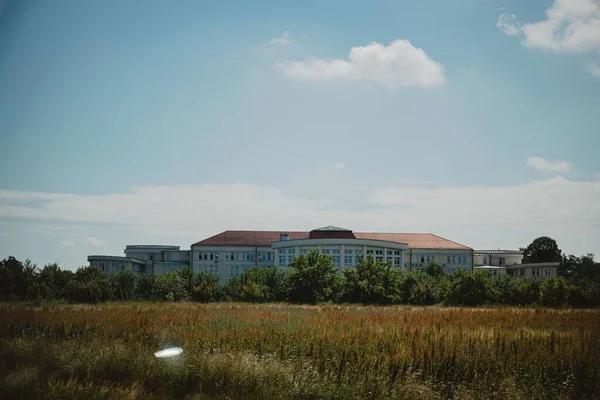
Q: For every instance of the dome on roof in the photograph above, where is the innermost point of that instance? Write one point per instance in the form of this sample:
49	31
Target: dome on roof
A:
331	228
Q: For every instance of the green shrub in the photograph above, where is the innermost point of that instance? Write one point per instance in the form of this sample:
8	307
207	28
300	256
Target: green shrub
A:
170	287
470	289
554	292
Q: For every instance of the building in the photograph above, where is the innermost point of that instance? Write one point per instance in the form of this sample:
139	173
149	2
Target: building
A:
497	258
500	262
116	264
144	259
533	270
229	253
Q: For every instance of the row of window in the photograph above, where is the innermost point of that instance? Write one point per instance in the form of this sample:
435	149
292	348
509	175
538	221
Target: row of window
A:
236	270
211	269
230	256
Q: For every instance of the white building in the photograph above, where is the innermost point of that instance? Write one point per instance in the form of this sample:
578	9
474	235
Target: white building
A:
500	262
229	253
144	259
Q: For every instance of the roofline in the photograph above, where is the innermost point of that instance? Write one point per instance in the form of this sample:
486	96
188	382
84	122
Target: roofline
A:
452	241
541	264
119	258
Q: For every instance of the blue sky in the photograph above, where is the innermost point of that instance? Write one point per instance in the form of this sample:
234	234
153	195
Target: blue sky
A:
166	122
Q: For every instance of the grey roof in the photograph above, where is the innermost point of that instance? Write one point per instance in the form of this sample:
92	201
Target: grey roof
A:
498	251
115	258
332	228
151	246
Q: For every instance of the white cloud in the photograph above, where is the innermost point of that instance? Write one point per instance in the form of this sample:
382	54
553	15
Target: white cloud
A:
594	69
501	216
509	24
94	241
338	166
570	26
541	164
398	64
282	40
67	243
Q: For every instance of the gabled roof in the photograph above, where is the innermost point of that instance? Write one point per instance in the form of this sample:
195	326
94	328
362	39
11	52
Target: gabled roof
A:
265	238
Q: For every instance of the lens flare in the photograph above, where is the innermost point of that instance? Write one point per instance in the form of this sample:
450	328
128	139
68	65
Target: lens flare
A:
169	352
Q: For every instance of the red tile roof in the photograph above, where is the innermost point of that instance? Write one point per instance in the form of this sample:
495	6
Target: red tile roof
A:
265	238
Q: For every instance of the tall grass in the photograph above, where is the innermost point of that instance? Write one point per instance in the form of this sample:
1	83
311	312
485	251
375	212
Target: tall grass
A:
277	351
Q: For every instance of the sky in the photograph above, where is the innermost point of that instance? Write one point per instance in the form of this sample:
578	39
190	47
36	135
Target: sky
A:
155	122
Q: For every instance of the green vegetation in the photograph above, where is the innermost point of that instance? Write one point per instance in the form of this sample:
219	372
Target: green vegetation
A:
314	279
279	351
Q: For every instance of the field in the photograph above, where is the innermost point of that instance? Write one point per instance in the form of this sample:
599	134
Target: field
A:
279	351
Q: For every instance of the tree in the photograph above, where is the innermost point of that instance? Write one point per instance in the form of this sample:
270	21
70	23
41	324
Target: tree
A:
554	291
170	287
434	269
123	284
90	285
55	281
582	268
204	287
542	249
314	278
371	282
470	289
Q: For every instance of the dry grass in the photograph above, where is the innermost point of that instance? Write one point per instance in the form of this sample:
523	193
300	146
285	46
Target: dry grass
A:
241	351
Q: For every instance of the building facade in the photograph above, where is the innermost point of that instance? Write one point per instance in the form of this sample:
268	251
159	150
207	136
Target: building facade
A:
144	259
230	253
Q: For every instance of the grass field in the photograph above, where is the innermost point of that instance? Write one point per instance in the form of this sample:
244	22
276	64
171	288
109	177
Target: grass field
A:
278	351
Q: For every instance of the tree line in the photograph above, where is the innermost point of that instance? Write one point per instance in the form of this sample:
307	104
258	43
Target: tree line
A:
315	279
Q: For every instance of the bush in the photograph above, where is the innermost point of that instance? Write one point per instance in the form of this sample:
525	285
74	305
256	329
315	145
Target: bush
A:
314	279
554	292
170	287
145	287
90	285
371	282
470	289
204	287
123	285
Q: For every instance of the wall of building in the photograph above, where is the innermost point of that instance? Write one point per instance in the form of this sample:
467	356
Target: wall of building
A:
494	259
230	261
451	260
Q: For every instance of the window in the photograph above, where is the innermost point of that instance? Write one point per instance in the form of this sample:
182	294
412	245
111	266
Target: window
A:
453	259
231	270
389	252
290	258
216	256
397	253
347	251
325	251
336	260
379	252
422	258
211	256
502	261
335	251
150	257
303	251
232	256
291	251
522	272
358	251
379	258
430	258
397	261
546	272
485	261
369	252
348	260
449	260
390	260
282	259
